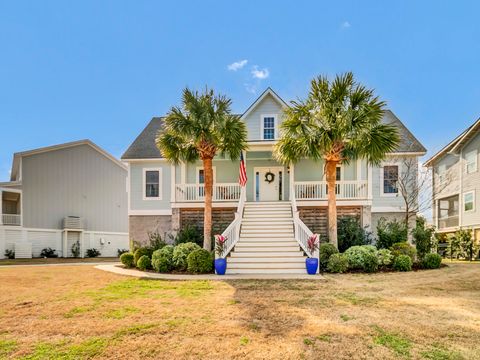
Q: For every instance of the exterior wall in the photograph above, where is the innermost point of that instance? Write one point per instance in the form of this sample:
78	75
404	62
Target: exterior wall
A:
451	185
268	105
76	181
140	226
137	186
310	170
390	216
251	164
471	182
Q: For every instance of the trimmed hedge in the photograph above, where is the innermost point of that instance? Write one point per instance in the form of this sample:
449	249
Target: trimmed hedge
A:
162	260
338	263
432	261
144	263
141	252
402	263
127	259
180	254
358	256
404	248
200	262
384	257
326	250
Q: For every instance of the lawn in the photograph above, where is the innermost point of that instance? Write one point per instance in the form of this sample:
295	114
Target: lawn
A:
76	312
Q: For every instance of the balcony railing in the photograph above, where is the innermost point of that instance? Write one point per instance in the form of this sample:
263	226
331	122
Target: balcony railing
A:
318	190
196	192
12	219
448	222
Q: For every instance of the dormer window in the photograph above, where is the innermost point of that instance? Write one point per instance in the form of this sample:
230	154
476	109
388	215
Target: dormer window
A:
268	127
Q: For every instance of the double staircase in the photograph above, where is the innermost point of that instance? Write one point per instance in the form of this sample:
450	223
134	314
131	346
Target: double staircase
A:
267	244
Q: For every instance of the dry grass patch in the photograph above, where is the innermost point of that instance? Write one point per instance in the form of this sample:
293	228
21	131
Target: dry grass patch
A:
80	312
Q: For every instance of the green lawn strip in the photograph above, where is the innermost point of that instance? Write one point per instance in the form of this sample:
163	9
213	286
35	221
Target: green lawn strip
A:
438	352
6	347
394	341
62	350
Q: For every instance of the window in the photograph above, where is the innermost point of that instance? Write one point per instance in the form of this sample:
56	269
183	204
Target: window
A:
390	178
268	127
471	162
448	212
469	201
338	174
151	180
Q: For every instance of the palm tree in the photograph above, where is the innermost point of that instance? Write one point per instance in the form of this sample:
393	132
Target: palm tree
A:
200	129
340	121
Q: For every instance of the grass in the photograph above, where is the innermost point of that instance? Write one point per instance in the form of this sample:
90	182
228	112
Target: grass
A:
78	312
39	261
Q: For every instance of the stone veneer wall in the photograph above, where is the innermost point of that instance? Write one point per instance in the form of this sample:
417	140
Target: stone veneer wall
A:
140	225
316	217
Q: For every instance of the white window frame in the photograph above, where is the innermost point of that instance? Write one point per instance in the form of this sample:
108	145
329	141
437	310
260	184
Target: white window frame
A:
473	153
160	184
473	201
197	174
275	126
382	174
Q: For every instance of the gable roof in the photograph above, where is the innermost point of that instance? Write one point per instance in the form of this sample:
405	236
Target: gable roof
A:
144	147
456	144
19	155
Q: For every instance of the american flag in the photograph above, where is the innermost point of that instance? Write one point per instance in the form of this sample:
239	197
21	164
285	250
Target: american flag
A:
242	180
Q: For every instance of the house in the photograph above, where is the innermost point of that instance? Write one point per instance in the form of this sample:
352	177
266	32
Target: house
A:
62	194
164	197
456	183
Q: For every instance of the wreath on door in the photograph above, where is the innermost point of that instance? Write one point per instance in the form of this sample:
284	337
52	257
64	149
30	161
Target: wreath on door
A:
269	177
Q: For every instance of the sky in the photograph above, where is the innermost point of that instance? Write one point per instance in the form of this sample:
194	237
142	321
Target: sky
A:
100	70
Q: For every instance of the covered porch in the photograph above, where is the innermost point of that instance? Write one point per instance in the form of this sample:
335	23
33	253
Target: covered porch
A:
11	209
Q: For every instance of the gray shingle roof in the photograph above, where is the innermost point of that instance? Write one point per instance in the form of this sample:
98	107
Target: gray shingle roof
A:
144	146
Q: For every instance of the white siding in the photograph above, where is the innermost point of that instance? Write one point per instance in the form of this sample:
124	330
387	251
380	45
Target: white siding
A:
269	106
137	187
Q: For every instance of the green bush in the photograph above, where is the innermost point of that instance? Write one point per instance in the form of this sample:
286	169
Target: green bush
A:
338	263
370	262
403	248
187	234
91	253
155	241
356	256
351	233
402	263
162	260
432	261
326	250
384	257
127	259
144	263
140	252
180	254
423	237
200	262
390	232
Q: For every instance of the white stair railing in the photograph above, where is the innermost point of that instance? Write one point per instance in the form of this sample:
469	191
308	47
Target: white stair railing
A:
232	232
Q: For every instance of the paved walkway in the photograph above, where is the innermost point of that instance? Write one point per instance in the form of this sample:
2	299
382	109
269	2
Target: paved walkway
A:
58	264
118	269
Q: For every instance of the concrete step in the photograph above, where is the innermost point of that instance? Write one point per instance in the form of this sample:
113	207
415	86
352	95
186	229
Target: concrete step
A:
261	203
267	248
248	225
265	271
266	239
273	232
267	235
271	254
276	259
288	265
273	221
241	244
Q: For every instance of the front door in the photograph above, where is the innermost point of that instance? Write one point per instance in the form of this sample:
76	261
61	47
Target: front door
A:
268	184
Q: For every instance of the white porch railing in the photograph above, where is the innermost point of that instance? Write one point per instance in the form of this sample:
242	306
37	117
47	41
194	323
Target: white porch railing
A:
11	219
196	192
232	232
302	232
318	190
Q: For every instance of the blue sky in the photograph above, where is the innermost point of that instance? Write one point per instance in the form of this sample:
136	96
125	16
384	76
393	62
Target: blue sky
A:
101	69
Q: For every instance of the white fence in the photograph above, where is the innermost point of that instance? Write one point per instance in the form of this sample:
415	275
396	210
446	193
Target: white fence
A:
11	219
106	242
196	192
318	190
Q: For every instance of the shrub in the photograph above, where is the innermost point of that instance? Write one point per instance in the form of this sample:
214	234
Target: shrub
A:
384	257
200	261
402	263
162	260
466	244
403	248
390	232
121	251
91	253
423	237
432	261
140	252
326	250
338	263
76	249
155	241
48	253
370	261
356	256
144	263
351	233
180	254
10	254
187	234
127	259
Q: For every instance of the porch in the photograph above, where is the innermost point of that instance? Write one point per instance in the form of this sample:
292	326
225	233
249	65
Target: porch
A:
10	211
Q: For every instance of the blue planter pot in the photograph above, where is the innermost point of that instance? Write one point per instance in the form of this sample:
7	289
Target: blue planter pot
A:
220	266
311	265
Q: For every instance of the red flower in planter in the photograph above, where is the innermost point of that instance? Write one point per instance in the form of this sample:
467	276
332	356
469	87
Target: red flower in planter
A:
220	244
312	243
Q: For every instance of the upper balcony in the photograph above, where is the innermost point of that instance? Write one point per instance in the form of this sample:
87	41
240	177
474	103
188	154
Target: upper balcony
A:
10	211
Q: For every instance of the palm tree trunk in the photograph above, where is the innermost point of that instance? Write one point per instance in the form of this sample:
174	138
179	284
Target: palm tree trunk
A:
331	174
207	220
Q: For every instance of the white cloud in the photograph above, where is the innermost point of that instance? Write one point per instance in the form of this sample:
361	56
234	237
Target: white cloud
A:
252	89
260	73
346	25
237	65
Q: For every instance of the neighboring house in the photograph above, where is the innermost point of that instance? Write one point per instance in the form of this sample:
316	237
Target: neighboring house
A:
164	197
456	183
62	194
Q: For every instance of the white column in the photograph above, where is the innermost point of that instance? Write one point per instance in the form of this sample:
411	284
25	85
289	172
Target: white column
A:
244	192
183	173
370	181
2	242
292	180
172	185
1	213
